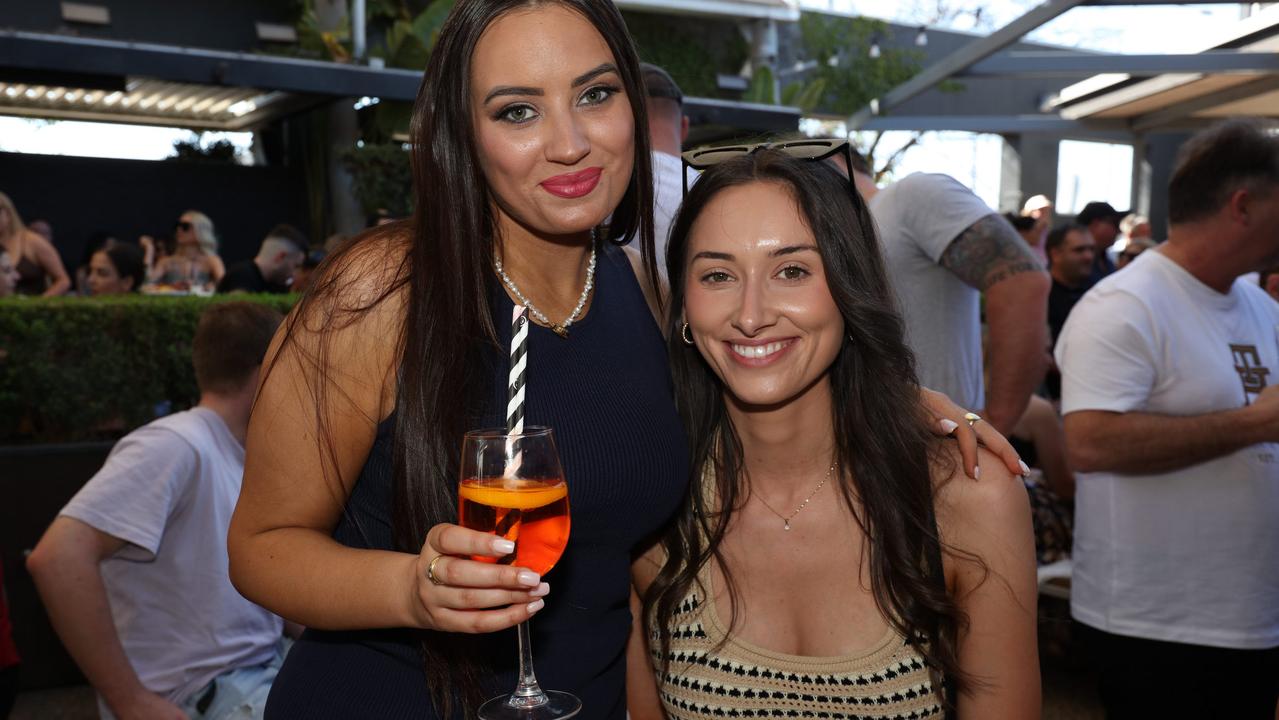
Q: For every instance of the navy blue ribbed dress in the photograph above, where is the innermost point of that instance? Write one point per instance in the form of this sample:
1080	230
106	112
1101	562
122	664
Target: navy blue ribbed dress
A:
606	392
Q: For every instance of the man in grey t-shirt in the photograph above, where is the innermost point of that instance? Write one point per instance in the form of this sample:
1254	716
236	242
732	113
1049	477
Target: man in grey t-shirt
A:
944	248
133	571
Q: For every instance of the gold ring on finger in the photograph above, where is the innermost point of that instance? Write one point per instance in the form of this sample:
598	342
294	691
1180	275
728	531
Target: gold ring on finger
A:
430	571
972	418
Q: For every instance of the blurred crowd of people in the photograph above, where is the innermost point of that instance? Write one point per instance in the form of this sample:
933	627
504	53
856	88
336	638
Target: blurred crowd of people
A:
185	262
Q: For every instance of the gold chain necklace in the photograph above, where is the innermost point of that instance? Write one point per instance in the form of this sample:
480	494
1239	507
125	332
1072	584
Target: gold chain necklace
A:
787	518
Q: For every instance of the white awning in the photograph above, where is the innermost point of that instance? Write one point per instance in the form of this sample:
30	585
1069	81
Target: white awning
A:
1147	103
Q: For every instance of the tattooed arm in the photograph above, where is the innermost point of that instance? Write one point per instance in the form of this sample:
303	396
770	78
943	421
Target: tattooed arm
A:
991	257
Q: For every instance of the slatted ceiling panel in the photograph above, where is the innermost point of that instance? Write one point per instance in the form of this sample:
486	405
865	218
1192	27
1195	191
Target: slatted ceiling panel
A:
1264	105
149	101
211	97
1177	94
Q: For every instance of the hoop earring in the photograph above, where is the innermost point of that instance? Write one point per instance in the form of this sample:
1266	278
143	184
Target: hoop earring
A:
686	335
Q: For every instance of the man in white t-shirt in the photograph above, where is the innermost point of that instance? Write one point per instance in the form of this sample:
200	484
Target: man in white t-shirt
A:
1172	413
944	248
667	131
133	571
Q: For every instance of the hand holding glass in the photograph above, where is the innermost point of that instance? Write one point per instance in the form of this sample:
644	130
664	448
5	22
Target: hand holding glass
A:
513	486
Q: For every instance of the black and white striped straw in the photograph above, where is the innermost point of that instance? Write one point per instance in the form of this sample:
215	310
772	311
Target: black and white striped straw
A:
519	363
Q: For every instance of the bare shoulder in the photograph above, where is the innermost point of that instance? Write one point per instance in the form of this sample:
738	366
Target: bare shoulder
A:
995	503
354	318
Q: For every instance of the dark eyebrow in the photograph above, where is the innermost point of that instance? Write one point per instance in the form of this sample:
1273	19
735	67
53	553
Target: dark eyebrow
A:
509	90
713	255
592	74
792	249
577	82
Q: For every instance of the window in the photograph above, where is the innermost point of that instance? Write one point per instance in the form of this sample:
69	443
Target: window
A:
1093	171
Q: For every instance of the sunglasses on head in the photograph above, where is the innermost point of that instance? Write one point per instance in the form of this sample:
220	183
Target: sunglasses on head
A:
806	149
182	225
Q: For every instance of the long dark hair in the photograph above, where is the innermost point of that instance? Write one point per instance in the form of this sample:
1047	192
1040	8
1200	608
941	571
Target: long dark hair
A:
442	268
884	452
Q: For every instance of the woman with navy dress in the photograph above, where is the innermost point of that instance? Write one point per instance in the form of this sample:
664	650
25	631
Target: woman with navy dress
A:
529	135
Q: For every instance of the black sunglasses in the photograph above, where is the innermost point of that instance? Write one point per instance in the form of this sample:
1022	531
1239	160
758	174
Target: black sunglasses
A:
182	225
806	149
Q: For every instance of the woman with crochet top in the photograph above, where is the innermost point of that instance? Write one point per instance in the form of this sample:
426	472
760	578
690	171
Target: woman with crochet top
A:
831	558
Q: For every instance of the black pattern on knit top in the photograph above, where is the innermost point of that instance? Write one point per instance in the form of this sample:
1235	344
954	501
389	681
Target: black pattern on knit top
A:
606	392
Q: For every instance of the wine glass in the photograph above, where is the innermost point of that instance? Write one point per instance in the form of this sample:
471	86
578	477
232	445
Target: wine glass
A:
513	486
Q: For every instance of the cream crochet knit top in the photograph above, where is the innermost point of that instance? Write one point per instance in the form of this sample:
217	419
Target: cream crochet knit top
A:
739	680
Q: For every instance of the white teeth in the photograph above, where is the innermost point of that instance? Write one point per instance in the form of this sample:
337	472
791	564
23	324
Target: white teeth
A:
758	351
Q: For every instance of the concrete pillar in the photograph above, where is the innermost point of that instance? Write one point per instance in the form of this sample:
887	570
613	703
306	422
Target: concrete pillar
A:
1161	155
1037	163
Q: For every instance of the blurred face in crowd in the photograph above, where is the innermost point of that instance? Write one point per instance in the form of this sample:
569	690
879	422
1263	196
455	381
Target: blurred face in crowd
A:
1072	260
1129	253
104	279
552	121
1103	233
41	228
184	234
757	302
8	274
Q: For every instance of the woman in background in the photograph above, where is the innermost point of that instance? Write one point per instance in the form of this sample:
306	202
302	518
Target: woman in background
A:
39	267
195	260
116	270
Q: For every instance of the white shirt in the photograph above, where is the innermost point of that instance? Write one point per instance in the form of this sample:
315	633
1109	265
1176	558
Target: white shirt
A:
168	490
668	194
1192	555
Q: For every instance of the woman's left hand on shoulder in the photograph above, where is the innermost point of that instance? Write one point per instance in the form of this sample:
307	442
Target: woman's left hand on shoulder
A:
951	419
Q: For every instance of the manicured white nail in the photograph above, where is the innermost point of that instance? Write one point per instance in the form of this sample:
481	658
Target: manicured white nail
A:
948	426
506	547
977	472
536	605
540	590
1025	469
528	577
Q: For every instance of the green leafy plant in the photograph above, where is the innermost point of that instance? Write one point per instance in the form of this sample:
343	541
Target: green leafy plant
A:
92	368
693	50
849	78
382	178
219	151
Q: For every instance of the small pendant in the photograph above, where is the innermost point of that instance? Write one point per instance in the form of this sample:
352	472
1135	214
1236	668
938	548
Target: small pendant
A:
787	522
560	330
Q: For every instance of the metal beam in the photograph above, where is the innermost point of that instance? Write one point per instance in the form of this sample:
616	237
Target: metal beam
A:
1179	111
31	51
993	124
963	58
1058	64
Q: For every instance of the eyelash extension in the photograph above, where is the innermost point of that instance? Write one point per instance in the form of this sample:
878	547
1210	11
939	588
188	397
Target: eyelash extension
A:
610	89
500	115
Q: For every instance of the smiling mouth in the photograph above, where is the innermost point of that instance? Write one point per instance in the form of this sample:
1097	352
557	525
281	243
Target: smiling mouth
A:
754	352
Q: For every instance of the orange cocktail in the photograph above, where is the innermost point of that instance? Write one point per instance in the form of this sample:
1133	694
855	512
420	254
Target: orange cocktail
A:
531	513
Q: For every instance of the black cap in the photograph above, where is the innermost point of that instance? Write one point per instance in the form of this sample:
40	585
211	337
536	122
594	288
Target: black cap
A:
1098	211
659	84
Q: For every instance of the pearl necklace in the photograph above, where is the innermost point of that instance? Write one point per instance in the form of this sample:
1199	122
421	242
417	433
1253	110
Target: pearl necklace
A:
787	518
560	329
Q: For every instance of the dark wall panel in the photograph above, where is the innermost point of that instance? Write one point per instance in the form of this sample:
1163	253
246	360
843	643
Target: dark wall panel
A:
128	198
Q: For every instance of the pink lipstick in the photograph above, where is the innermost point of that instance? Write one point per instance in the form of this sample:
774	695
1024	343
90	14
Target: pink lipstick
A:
573	185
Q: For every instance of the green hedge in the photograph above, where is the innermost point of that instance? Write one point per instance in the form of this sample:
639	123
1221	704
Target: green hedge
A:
76	369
